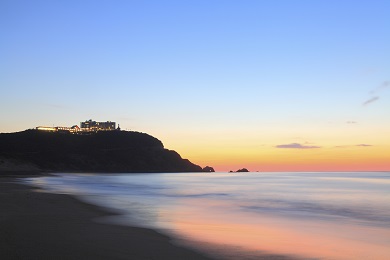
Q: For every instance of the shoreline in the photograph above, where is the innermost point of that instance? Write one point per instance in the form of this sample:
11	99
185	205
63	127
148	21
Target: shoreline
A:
39	225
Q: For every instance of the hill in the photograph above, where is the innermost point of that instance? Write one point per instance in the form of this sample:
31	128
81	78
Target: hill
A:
106	151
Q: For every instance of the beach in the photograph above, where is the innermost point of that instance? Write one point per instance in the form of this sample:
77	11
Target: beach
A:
195	216
38	225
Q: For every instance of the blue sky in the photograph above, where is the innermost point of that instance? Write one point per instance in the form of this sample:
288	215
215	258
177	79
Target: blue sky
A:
179	68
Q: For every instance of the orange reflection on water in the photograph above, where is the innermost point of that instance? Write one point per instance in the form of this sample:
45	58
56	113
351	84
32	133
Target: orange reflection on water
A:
282	236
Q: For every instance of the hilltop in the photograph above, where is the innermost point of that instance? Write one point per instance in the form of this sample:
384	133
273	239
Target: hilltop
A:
105	151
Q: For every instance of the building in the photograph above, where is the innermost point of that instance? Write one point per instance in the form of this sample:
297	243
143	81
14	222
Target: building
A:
86	127
47	128
74	129
93	126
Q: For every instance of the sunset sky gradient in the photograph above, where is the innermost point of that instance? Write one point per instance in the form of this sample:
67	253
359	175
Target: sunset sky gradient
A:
266	85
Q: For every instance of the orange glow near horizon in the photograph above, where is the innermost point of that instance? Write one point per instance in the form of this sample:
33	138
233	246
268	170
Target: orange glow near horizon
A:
272	159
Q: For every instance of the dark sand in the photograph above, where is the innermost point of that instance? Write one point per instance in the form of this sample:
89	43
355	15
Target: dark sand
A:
37	225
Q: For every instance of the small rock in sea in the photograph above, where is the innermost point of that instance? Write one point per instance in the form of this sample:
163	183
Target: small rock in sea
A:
208	169
243	170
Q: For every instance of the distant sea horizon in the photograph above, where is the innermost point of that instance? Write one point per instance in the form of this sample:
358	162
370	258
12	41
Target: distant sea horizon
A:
297	215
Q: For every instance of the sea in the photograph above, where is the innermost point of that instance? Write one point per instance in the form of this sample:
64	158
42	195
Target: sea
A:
262	215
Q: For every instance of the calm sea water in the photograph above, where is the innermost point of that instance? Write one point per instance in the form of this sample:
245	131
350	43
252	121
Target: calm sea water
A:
246	215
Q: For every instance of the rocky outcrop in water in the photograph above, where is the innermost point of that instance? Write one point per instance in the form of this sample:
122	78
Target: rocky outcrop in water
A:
208	169
243	170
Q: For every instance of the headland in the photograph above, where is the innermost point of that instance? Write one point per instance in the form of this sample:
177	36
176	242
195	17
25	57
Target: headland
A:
94	147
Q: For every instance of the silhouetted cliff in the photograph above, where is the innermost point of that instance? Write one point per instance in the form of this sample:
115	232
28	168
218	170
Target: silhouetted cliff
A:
111	151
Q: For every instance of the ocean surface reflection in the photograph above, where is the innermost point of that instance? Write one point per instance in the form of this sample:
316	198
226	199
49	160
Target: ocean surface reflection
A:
302	215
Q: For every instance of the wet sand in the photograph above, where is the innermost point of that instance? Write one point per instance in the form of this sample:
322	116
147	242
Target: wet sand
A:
37	225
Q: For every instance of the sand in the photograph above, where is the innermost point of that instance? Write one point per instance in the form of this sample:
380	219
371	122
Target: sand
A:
37	225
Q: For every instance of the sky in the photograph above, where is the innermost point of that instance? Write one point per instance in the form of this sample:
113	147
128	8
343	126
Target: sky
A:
265	85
